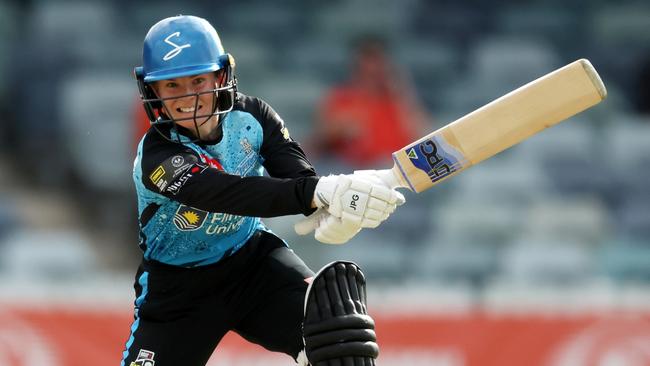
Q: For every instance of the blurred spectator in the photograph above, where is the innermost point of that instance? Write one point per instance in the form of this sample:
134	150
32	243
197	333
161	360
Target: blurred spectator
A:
371	114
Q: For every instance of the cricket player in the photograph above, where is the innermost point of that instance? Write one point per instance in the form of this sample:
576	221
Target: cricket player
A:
209	264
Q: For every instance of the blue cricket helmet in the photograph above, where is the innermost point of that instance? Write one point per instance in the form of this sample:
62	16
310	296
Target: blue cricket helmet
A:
182	46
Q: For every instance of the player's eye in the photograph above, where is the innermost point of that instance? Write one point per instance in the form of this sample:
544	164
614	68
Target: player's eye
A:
171	84
198	81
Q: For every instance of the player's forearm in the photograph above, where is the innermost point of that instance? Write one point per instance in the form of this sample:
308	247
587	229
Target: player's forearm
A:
251	196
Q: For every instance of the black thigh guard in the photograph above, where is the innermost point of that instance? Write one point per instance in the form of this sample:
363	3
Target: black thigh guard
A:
337	328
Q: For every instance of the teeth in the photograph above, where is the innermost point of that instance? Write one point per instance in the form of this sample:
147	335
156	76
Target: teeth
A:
187	109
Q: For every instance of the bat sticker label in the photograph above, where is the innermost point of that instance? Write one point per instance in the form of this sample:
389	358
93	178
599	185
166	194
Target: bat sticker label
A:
436	158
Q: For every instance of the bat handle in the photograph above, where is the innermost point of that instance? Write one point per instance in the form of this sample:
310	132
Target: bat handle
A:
388	176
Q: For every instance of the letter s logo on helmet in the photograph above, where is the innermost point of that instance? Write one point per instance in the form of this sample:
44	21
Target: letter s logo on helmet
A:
177	47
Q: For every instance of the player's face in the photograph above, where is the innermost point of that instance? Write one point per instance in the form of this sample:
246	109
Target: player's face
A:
184	105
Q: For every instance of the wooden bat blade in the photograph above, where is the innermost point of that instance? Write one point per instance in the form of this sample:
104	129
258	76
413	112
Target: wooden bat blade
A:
498	125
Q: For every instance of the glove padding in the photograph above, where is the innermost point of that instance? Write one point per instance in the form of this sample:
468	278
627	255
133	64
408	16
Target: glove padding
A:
328	229
357	199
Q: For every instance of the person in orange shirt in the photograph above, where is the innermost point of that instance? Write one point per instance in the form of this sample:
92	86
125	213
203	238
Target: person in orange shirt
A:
373	113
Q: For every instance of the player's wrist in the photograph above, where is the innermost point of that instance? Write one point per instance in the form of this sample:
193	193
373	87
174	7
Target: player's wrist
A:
324	192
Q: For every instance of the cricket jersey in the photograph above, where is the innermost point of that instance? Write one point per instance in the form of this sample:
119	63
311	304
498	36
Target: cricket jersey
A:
201	201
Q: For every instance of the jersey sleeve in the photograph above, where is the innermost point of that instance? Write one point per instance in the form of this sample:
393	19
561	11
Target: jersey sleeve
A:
283	157
178	173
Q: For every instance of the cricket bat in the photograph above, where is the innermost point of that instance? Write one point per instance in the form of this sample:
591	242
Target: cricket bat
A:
485	132
496	126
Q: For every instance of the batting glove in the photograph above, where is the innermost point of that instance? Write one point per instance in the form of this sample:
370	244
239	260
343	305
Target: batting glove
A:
327	228
356	199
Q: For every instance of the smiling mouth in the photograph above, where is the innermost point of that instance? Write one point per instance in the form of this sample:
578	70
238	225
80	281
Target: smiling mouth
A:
187	109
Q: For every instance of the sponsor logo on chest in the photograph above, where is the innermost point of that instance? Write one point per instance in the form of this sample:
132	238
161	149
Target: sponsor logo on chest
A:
192	219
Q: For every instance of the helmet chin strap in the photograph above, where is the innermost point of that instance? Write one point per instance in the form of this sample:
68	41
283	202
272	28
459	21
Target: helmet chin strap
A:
208	118
208	138
214	109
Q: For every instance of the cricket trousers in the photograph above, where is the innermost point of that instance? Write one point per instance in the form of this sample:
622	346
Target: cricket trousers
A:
181	314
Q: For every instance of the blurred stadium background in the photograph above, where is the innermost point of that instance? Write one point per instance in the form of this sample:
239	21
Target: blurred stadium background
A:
540	256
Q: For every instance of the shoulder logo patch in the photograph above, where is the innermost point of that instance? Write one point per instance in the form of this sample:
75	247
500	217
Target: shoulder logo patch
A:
157	174
157	178
177	161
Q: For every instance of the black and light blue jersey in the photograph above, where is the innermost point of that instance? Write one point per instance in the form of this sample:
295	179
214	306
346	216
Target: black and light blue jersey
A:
199	202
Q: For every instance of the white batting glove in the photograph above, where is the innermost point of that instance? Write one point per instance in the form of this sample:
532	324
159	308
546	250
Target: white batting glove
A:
327	228
357	199
330	229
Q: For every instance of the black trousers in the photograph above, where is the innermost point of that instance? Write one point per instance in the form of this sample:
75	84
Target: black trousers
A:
181	314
